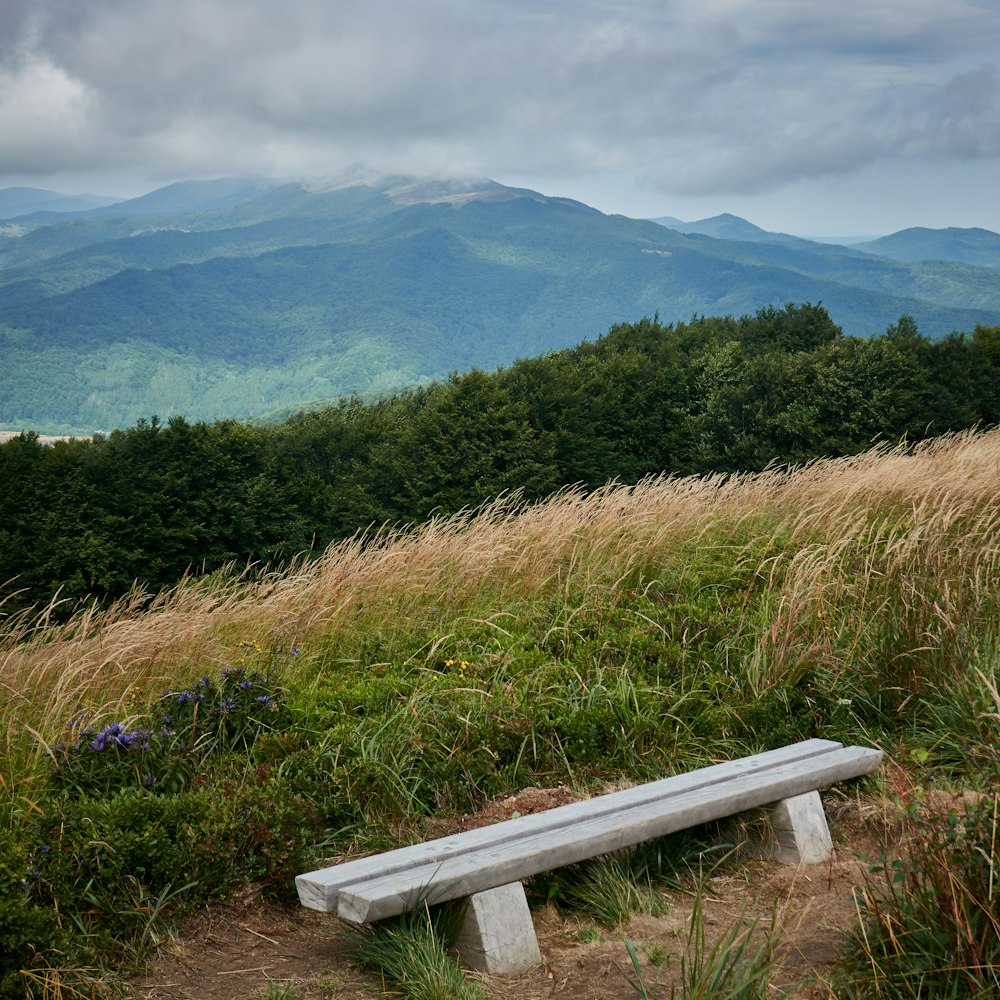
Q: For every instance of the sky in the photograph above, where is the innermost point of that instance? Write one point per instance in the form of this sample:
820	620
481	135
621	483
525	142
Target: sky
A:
812	117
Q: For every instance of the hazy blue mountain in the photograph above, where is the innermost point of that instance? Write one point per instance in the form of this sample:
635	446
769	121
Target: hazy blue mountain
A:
192	196
269	295
669	221
19	201
729	227
980	247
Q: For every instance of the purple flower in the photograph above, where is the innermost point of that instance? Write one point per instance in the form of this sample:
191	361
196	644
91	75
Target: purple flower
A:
264	699
227	704
246	685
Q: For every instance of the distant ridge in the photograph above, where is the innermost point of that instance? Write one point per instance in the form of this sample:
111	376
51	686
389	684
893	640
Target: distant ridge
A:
242	296
980	247
669	221
193	196
21	201
729	227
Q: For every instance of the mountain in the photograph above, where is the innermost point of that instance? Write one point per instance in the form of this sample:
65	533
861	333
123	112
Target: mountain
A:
239	297
669	221
18	201
980	247
728	227
191	196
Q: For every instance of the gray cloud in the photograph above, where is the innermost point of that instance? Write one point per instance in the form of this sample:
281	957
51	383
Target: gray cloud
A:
690	97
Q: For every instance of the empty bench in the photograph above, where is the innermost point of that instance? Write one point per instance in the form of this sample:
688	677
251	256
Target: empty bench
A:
486	866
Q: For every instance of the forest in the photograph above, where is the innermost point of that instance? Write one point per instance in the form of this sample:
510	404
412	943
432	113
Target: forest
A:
91	519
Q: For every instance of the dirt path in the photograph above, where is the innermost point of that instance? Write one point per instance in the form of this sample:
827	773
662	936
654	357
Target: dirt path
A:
233	952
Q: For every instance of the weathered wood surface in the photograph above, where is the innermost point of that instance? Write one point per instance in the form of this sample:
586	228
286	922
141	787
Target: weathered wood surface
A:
545	850
319	889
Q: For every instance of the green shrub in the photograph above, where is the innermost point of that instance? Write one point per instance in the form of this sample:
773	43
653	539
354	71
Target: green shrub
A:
29	932
162	751
932	928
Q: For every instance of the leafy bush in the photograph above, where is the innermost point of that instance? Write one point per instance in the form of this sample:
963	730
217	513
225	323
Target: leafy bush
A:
183	729
109	859
28	932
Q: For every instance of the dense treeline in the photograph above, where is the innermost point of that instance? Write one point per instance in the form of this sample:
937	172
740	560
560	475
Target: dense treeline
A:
87	518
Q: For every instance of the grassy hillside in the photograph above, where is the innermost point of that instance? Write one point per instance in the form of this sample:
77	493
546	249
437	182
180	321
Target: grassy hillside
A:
165	751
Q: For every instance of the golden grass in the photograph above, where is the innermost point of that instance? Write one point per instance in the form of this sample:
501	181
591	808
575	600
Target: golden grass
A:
925	518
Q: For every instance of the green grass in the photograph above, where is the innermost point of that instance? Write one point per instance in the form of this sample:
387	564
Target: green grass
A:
410	953
928	923
737	965
591	640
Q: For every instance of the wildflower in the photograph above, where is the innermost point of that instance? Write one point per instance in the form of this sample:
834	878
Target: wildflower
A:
227	705
264	700
245	685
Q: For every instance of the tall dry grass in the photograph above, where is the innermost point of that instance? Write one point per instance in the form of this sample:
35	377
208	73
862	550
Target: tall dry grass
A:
923	520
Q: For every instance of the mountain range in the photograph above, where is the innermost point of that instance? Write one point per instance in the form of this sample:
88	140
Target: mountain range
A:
242	296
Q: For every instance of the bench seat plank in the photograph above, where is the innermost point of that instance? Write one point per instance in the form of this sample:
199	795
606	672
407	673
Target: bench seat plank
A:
319	889
510	860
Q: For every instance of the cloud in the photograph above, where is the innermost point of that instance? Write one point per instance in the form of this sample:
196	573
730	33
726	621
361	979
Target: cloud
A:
43	110
690	96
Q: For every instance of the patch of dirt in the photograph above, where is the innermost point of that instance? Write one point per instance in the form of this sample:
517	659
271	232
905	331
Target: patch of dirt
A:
235	951
530	800
6	436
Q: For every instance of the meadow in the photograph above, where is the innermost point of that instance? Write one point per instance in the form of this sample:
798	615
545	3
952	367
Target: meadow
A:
173	748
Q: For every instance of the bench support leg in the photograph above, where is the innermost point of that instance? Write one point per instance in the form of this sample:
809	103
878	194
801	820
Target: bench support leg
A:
497	935
800	835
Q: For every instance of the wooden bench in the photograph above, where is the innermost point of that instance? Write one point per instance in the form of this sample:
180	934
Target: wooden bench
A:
487	865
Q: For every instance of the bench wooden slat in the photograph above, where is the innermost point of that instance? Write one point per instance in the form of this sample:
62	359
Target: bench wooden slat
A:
319	889
506	860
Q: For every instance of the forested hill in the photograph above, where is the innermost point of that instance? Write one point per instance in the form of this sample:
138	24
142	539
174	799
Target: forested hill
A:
237	298
88	517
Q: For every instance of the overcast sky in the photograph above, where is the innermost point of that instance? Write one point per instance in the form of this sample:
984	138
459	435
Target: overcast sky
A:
816	117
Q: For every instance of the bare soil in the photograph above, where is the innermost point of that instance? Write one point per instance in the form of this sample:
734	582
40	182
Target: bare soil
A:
234	951
43	438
